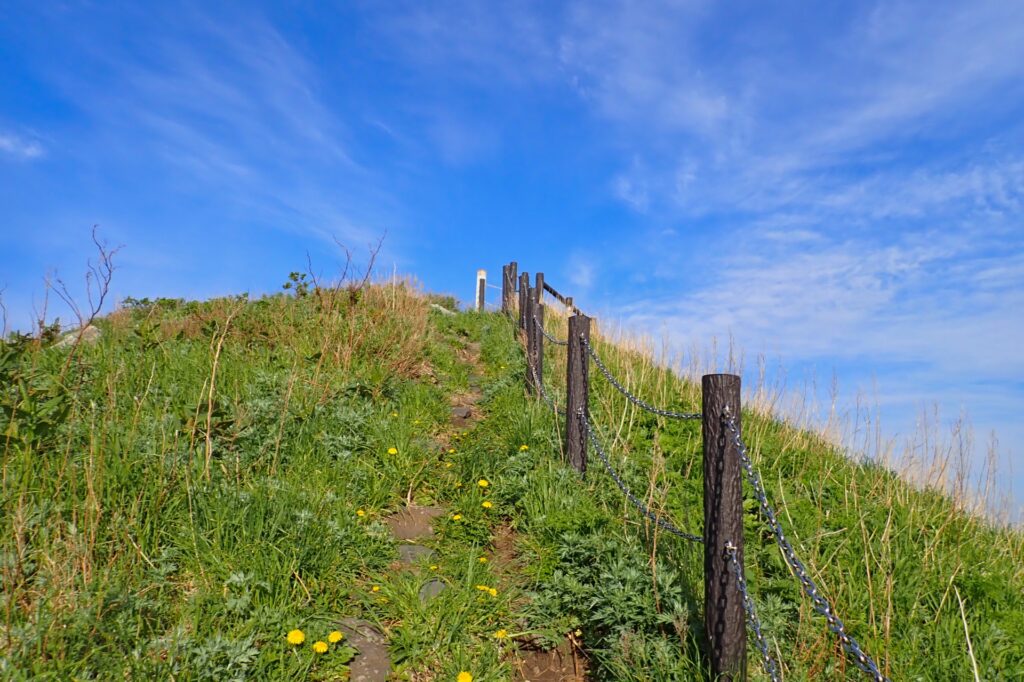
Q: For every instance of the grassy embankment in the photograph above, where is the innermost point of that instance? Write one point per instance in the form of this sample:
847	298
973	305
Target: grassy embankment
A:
187	490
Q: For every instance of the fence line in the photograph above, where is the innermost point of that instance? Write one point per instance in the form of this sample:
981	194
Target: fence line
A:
726	464
663	523
820	604
639	402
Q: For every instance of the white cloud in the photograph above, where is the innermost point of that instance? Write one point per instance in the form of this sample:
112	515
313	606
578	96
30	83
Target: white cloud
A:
581	271
19	147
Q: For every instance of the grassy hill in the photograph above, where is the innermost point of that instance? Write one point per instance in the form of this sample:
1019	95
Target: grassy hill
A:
181	494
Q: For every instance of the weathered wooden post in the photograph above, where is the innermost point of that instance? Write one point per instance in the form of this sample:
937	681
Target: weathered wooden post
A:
577	383
723	524
539	286
568	303
524	287
537	336
530	341
508	286
481	290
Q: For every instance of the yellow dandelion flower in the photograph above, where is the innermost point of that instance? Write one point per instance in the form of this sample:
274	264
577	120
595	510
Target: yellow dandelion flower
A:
375	588
394	414
451	451
433	567
360	512
491	591
456	517
458	484
320	647
524	448
483	588
483	483
296	637
501	634
486	504
415	422
447	465
464	677
482	560
335	636
392	451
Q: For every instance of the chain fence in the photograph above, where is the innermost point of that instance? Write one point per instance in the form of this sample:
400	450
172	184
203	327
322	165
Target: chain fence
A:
636	400
663	523
748	606
819	603
549	337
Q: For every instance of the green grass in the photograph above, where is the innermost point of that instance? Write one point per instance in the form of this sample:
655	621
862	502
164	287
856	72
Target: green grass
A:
185	491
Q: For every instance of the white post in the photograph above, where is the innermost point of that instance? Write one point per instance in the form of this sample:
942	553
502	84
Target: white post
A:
481	289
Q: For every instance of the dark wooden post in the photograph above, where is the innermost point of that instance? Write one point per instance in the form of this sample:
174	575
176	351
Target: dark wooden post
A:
536	325
539	286
524	288
577	381
568	303
481	290
508	286
723	523
530	341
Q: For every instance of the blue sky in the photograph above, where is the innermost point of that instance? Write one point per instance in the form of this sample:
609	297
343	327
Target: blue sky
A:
839	186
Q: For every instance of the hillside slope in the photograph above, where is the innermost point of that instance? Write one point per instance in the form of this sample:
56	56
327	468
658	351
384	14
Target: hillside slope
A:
209	477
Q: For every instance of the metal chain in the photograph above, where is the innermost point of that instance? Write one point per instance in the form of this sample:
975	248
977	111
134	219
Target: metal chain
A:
549	337
819	603
625	490
752	620
639	402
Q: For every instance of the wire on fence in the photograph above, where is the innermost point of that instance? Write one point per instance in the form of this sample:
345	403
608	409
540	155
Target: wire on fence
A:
667	525
639	402
752	619
820	604
549	337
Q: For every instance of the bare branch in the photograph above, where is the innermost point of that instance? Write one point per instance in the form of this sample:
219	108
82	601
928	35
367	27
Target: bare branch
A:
348	264
98	277
374	250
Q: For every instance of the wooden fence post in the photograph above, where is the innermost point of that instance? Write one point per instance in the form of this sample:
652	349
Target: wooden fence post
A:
481	290
537	336
524	287
723	523
508	286
530	359
577	382
539	286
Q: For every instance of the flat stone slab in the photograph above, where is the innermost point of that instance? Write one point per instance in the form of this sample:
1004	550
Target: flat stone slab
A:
410	554
431	589
413	523
462	412
372	663
557	665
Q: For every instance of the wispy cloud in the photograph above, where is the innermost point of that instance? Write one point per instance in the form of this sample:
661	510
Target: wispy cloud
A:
19	147
228	102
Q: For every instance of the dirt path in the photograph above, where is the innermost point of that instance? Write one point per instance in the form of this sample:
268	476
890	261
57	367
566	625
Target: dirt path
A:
412	527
